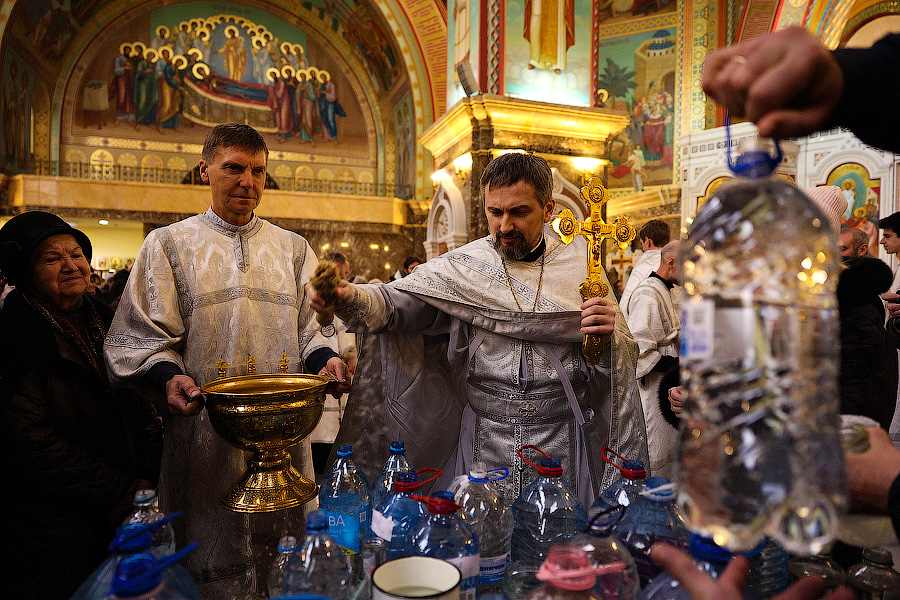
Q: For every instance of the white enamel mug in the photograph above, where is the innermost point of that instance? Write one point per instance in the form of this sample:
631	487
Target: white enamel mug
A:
416	577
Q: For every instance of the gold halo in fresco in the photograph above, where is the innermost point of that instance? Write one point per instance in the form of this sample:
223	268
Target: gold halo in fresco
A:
201	70
288	72
272	74
233	28
162	31
179	62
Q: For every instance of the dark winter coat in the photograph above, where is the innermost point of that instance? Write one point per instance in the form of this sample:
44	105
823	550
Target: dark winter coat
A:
868	376
72	450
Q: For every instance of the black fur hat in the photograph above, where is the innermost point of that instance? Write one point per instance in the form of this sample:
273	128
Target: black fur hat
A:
22	235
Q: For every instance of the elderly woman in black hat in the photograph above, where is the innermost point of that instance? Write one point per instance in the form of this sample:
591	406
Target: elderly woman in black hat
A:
74	450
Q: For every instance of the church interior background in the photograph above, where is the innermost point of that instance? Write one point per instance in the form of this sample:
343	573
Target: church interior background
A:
380	115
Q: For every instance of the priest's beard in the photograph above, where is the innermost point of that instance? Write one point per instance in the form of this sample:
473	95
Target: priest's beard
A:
515	252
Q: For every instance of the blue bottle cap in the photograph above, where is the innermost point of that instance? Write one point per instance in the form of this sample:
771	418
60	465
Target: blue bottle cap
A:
131	538
550	467
657	495
705	549
317	521
345	450
136	575
287	543
398	447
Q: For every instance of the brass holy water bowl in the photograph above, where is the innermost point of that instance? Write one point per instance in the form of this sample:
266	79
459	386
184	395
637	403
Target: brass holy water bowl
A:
266	414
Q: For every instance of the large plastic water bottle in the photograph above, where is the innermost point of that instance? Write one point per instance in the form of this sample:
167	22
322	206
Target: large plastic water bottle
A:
396	463
707	556
603	548
760	448
318	565
142	576
567	574
146	511
769	574
395	517
344	498
623	490
442	534
873	577
819	565
651	518
544	514
275	582
130	540
484	511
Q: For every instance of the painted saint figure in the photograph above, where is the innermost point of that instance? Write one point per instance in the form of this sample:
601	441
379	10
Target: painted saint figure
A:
234	52
145	90
170	92
122	88
550	31
329	107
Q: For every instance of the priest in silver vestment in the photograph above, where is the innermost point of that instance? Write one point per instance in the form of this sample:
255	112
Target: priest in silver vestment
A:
221	285
478	352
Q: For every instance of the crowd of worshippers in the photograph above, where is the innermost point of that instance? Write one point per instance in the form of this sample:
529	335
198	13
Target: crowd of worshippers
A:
477	351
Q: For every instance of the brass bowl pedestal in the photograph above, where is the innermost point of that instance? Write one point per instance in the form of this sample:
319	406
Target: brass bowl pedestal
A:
266	414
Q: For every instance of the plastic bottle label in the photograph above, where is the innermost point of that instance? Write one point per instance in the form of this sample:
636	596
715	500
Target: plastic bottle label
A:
468	566
697	331
344	529
492	569
382	526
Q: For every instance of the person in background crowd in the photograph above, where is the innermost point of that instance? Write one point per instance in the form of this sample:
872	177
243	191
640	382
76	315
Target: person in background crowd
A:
74	450
410	263
653	235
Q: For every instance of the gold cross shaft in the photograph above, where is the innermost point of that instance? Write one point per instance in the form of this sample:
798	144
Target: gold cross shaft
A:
595	230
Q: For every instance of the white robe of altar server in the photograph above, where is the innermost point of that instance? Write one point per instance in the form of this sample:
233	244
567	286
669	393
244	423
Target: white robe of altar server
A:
646	263
200	291
655	323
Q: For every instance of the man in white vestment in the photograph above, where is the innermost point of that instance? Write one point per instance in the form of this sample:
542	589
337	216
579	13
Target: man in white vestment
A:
655	324
653	235
478	351
221	285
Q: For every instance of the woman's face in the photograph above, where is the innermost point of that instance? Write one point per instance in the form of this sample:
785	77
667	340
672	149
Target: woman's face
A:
59	271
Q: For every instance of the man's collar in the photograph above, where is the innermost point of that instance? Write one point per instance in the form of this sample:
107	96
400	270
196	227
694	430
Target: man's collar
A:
537	252
669	284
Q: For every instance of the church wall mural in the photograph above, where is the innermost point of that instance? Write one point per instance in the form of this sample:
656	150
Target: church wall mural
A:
636	74
863	196
15	106
463	30
403	124
170	75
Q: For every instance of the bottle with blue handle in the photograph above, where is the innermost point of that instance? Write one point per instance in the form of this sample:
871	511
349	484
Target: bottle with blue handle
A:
142	577
442	534
395	517
344	499
146	511
396	463
547	512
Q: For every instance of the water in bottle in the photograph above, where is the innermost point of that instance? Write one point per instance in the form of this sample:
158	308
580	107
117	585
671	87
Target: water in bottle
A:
142	577
544	514
372	555
651	518
623	490
130	540
567	574
769	574
395	517
484	511
707	556
318	565
275	582
442	534
344	499
874	578
396	463
603	548
760	451
819	565
146	511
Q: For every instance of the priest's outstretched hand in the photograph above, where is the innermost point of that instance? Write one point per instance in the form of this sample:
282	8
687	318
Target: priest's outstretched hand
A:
343	295
598	317
183	396
338	370
730	584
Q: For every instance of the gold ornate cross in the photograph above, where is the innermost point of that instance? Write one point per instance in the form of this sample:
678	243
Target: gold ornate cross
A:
595	230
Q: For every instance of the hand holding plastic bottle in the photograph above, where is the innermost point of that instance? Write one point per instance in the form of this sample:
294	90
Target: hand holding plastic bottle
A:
731	583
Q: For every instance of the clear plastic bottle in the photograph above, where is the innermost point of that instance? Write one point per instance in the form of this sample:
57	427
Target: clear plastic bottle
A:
874	578
395	517
275	582
567	574
769	574
484	511
131	540
651	518
372	555
760	448
146	511
442	534
819	565
142	577
344	498
623	490
544	514
707	556
318	565
603	548
396	463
